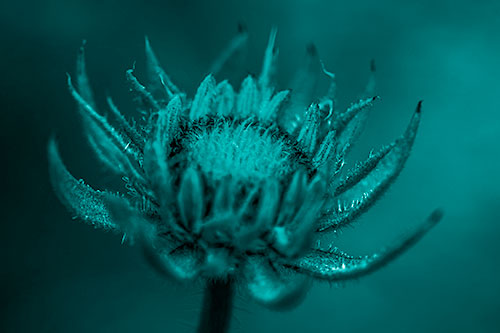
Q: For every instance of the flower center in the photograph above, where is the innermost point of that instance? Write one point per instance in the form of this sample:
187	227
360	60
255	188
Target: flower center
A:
247	152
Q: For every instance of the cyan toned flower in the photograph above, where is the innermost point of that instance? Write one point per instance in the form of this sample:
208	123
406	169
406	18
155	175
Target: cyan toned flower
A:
236	185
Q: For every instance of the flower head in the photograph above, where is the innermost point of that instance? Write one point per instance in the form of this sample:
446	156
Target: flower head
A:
235	184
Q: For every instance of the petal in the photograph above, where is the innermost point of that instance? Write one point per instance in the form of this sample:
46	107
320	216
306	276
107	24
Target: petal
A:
273	285
337	266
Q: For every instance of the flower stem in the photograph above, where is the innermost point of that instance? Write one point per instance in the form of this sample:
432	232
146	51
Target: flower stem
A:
217	307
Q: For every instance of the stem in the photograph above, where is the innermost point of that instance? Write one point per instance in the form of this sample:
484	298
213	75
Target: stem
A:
217	307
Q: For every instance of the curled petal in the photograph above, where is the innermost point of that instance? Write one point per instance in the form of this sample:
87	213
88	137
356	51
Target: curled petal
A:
86	203
337	266
273	285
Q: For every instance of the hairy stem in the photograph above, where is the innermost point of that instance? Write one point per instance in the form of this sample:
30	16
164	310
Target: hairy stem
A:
217	306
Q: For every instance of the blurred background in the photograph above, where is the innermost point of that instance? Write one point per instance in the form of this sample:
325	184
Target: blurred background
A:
59	275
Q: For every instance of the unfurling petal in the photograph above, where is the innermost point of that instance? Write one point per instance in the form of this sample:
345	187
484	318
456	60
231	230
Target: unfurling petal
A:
86	203
363	187
273	285
337	266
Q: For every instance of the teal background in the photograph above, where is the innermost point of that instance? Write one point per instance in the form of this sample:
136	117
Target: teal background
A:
59	275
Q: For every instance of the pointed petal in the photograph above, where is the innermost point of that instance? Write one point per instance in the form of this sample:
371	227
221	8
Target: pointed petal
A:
203	99
86	203
345	117
363	194
272	285
337	266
